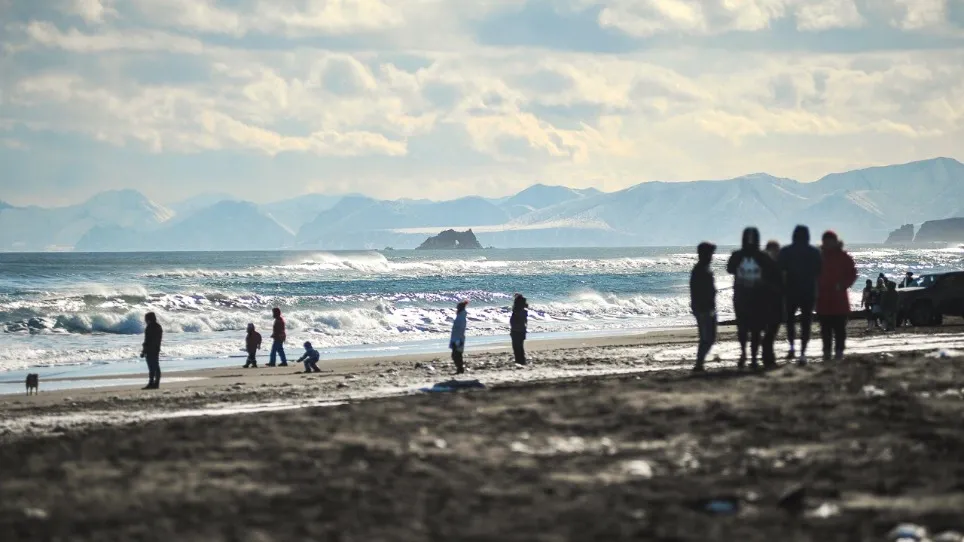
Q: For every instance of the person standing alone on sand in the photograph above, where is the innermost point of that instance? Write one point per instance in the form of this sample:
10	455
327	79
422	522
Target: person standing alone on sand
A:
800	264
252	343
751	268
457	342
518	323
703	301
833	303
151	351
278	334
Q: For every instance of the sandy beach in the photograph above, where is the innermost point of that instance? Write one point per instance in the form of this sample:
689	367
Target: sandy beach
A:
602	438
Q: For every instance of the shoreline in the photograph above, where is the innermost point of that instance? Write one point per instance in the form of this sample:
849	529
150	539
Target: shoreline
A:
233	390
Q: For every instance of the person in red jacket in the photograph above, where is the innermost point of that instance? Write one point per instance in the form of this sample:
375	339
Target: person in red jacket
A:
833	301
279	335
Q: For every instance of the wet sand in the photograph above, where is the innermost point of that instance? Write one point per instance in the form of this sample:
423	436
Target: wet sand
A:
555	451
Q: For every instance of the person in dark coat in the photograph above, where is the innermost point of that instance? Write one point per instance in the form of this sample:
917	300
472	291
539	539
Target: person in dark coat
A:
774	285
278	336
703	301
151	350
833	301
800	264
252	343
752	271
518	324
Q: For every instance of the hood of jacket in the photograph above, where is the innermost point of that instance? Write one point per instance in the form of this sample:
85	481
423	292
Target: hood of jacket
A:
801	235
751	239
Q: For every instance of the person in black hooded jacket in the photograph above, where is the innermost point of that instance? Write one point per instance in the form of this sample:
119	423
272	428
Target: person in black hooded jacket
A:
518	323
151	351
753	271
703	301
800	265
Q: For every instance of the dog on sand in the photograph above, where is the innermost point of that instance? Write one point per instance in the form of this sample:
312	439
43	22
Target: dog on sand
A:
33	383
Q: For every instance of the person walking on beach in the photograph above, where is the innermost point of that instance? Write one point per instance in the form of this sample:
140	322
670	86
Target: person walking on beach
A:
833	303
518	323
457	342
703	301
774	286
151	351
310	358
278	334
751	269
252	343
800	265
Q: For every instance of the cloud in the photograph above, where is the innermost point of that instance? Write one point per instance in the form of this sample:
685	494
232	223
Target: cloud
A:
423	97
92	11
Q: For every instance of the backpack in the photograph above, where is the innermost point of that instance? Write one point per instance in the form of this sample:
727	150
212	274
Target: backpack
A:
749	274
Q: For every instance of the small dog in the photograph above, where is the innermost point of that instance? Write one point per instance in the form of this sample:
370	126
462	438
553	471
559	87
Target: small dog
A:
33	383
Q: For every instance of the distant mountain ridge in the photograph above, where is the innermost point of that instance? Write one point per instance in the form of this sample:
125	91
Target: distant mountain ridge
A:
862	205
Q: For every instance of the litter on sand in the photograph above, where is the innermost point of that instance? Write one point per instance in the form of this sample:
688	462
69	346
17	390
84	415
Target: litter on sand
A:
454	385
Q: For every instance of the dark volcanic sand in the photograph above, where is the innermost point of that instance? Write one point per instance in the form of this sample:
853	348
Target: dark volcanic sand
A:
560	461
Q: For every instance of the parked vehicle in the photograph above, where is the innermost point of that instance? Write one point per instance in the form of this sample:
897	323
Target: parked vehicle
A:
931	297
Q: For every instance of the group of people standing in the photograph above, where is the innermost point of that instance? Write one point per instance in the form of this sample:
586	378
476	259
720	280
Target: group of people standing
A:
769	287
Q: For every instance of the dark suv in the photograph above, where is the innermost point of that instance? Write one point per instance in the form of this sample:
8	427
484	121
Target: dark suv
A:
930	297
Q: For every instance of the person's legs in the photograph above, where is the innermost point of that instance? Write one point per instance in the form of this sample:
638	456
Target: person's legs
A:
791	312
281	354
252	360
769	338
706	325
518	349
840	335
277	350
826	334
755	339
154	371
806	324
742	335
457	359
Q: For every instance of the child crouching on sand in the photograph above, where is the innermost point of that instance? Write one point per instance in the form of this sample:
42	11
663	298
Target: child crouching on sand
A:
703	301
310	359
457	342
252	343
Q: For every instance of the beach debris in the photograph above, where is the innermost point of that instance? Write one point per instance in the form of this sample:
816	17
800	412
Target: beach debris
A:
351	377
826	510
793	499
873	391
441	444
454	385
719	506
949	536
945	353
907	532
638	468
35	513
341	385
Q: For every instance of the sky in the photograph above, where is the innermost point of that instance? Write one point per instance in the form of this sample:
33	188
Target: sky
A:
269	99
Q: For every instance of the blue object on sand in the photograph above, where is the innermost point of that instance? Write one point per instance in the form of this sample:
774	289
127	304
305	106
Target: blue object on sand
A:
454	385
721	506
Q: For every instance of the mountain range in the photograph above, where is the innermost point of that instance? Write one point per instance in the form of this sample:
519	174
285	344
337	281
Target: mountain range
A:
862	205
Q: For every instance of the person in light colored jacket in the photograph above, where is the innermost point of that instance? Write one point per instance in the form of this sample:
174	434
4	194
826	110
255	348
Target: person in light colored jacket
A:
457	342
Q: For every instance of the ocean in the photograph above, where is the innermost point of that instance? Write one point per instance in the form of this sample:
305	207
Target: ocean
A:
75	310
